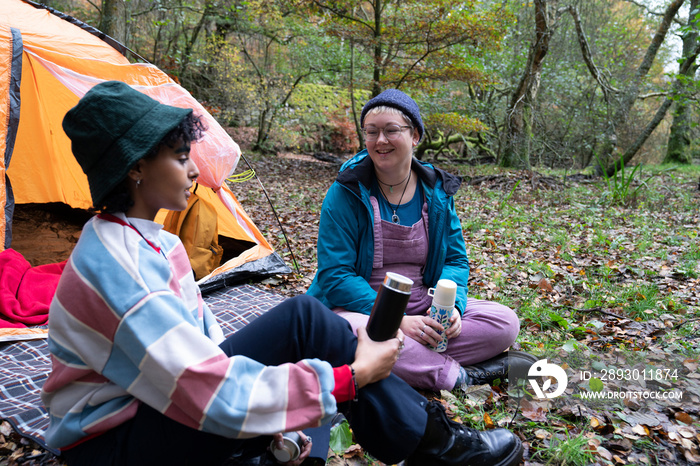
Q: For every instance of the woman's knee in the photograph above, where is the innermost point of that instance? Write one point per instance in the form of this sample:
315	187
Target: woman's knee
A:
313	312
511	325
305	301
501	319
303	305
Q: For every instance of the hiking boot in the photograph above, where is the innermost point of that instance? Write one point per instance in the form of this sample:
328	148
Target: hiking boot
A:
447	443
509	365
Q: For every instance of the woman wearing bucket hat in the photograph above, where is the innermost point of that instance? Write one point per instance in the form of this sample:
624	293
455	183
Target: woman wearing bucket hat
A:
142	374
387	211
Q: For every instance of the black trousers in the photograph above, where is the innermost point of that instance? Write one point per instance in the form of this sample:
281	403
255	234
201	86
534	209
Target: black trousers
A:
388	419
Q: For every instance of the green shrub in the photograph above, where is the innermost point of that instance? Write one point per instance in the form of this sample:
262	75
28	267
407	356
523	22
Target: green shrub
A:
323	118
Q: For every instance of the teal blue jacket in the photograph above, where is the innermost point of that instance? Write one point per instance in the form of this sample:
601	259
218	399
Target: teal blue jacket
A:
346	237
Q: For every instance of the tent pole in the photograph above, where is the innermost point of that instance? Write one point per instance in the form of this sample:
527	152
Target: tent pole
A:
296	266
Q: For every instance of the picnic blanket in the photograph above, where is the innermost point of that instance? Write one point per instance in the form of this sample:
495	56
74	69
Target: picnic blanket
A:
25	365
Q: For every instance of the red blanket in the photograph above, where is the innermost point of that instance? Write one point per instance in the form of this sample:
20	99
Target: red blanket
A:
25	291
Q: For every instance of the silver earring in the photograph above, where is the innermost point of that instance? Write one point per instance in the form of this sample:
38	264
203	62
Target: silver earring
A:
138	182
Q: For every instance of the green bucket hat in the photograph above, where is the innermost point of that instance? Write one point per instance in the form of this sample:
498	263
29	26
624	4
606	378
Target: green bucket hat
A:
114	126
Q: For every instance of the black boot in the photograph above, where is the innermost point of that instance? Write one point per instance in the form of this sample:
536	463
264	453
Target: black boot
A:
447	443
509	365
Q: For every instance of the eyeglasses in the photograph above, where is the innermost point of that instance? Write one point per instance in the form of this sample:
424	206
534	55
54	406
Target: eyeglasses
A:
391	132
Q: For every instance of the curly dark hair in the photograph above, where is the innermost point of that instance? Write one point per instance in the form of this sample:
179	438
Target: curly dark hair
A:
190	129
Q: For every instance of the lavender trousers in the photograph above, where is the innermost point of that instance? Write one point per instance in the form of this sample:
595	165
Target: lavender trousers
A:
488	328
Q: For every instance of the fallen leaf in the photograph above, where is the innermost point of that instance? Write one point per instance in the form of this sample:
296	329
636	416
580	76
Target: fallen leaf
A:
686	432
354	450
692	457
683	417
533	411
691	364
544	285
602	451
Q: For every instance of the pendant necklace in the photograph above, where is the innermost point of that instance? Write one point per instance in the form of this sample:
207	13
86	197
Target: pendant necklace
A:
395	218
391	186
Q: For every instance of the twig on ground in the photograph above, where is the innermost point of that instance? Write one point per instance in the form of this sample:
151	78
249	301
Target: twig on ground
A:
599	310
677	326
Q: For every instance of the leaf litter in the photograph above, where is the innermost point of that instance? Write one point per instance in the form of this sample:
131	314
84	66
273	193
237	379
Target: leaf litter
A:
596	279
587	279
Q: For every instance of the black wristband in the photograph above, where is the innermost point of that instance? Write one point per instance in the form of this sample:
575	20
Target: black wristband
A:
354	381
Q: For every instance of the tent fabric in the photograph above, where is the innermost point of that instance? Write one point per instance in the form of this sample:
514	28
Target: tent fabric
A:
92	30
47	62
12	65
198	229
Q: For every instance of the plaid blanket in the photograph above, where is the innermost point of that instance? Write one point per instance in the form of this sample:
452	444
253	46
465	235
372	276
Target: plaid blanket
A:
25	365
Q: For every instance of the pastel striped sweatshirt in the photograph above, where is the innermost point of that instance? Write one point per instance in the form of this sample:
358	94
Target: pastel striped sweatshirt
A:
128	326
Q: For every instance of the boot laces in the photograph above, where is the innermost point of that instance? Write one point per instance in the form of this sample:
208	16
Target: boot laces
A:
470	432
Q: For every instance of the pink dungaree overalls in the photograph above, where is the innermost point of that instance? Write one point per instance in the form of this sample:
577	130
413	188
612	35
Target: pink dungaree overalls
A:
488	328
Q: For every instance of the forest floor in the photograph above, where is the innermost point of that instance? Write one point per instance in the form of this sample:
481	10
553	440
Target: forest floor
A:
604	276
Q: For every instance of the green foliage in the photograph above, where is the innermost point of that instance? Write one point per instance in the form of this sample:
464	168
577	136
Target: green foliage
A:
507	198
567	451
570	112
455	123
417	43
420	46
620	185
246	59
322	118
231	95
312	102
341	438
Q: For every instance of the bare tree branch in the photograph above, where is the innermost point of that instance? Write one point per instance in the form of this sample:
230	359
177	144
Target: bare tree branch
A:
341	14
660	113
630	94
516	138
652	94
652	12
658	39
588	57
645	8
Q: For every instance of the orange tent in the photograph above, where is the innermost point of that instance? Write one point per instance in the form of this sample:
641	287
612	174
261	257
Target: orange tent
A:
49	60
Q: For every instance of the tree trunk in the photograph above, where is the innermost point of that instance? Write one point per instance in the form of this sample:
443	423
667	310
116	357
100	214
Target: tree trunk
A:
189	42
268	115
377	72
263	132
355	116
660	114
628	96
113	21
518	123
678	149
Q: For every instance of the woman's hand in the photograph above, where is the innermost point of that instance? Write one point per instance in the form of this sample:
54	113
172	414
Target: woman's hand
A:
455	325
375	359
423	329
305	447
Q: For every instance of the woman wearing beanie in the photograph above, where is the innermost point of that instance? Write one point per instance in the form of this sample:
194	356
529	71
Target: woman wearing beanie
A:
142	374
387	211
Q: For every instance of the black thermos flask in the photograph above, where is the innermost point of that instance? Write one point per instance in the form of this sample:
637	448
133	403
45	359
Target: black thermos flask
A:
389	307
